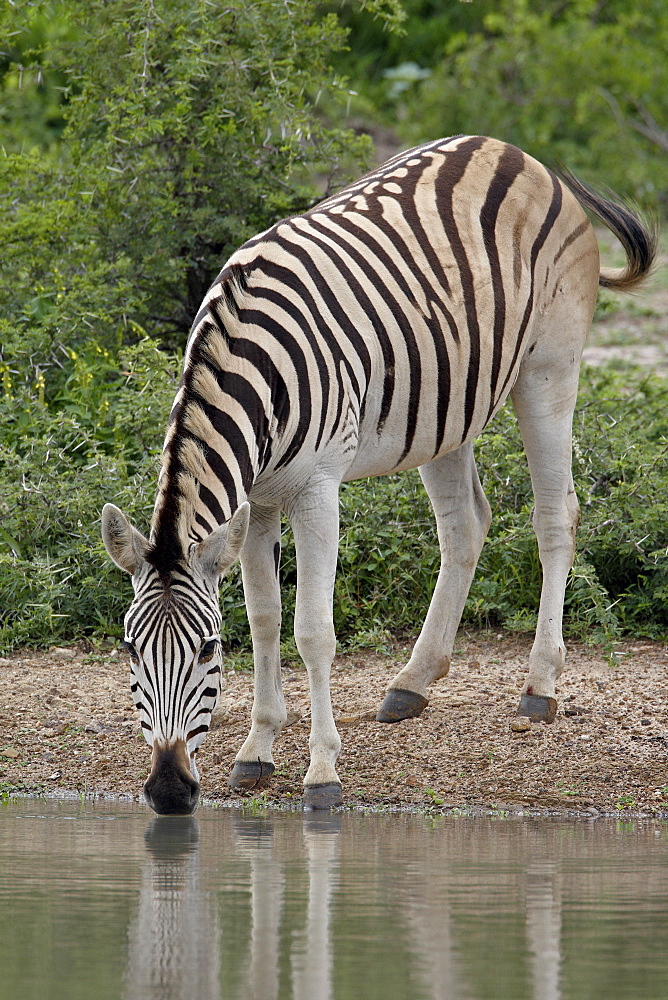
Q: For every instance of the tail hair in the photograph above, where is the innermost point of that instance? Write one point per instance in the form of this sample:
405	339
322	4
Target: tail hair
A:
638	234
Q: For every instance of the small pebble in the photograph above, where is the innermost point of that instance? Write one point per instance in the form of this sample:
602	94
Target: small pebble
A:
4	662
520	724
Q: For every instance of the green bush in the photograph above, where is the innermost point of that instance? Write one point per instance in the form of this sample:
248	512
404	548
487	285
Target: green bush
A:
141	143
579	80
57	466
56	581
389	549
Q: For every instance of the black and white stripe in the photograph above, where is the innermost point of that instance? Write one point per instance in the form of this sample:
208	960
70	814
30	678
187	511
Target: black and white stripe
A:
393	292
174	646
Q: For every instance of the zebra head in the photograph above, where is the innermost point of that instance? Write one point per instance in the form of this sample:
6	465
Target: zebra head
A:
172	633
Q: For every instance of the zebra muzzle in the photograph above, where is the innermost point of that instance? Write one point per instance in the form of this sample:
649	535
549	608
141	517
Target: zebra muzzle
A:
171	789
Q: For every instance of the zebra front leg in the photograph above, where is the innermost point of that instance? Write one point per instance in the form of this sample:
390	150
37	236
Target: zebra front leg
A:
259	565
314	516
544	407
463	517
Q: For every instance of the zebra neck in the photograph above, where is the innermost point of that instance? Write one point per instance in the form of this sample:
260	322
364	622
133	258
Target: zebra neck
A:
203	481
220	432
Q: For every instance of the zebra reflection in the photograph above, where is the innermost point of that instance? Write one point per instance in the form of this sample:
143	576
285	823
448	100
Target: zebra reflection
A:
174	940
310	953
203	939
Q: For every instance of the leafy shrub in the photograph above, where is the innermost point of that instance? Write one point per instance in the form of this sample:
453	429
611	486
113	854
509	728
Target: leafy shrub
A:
577	80
56	581
388	555
139	149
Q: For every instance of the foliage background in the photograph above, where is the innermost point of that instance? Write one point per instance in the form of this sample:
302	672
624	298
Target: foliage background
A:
143	140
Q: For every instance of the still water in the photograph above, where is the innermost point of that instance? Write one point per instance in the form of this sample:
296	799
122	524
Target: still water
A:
104	901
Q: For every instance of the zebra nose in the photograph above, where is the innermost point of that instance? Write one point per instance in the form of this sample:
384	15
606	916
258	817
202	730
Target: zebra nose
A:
171	789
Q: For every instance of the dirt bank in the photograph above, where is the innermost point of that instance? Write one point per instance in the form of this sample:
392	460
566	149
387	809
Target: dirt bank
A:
68	725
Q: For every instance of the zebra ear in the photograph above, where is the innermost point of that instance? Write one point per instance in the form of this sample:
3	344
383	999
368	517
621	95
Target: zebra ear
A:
126	546
220	550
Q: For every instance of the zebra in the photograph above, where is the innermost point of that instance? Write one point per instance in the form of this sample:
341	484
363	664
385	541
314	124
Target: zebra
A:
379	331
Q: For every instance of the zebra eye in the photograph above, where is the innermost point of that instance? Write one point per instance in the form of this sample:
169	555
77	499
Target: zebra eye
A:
207	651
129	648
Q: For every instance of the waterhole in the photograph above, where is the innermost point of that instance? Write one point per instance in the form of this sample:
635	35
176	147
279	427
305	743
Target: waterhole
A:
101	900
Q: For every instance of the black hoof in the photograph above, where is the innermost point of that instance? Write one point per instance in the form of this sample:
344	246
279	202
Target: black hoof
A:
537	707
399	705
327	796
250	774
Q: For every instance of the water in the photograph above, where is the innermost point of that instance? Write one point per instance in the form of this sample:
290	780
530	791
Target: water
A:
103	901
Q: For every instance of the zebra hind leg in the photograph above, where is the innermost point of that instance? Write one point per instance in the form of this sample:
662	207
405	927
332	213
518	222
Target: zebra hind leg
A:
259	565
544	399
463	517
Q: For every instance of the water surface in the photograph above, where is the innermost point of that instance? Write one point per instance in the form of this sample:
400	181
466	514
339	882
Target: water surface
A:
105	901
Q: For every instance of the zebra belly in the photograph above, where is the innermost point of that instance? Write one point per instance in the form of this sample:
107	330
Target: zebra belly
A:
380	455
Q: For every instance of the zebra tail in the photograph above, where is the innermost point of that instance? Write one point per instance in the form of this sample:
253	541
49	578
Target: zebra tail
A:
639	236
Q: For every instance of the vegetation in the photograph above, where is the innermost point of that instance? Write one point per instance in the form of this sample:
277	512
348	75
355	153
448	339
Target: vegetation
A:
144	140
581	80
56	582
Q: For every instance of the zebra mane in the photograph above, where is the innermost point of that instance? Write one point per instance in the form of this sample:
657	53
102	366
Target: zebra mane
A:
176	523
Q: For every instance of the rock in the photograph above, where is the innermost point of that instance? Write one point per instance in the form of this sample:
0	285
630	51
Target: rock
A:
10	752
55	729
93	726
61	654
368	715
4	662
520	724
347	720
220	718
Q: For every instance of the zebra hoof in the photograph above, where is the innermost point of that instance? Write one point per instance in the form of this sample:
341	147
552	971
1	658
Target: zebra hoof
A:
327	796
399	705
248	775
538	708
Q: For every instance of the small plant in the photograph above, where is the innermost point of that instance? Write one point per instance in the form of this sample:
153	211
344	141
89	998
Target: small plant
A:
256	805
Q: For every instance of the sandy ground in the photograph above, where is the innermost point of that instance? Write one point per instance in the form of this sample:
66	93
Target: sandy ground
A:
68	725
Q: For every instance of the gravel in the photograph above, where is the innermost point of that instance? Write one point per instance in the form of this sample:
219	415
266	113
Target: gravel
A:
68	726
